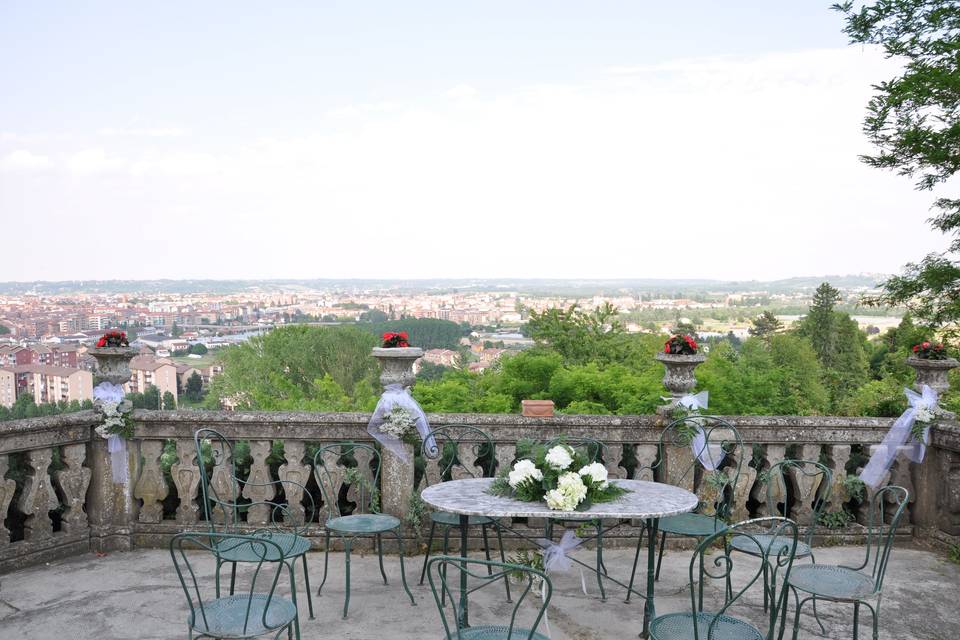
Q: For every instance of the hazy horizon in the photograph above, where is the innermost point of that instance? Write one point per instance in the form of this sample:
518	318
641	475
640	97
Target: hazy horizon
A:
513	140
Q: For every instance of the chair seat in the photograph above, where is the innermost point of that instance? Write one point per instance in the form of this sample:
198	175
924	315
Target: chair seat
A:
293	546
453	520
691	524
679	626
498	633
832	582
225	617
751	545
363	523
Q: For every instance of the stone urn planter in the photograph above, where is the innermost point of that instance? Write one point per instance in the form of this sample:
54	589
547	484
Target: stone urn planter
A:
932	373
678	377
113	364
396	364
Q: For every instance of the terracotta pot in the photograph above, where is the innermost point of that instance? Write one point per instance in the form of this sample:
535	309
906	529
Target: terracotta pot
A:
537	408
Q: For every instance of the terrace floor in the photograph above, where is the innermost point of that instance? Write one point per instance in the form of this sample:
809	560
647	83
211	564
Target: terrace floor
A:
136	595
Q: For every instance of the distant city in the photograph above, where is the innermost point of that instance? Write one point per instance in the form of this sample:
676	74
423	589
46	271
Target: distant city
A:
46	328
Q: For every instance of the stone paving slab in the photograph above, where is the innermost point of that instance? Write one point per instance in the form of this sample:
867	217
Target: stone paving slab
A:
137	595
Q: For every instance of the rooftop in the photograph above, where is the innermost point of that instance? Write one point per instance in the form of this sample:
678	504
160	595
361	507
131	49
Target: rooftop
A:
136	594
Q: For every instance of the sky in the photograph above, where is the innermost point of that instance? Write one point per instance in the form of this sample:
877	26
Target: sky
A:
515	138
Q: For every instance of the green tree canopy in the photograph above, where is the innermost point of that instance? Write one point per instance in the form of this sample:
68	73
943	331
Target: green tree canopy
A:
426	333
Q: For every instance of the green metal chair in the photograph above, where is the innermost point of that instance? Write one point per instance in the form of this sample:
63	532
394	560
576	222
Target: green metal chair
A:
351	471
780	479
455	442
595	451
479	574
255	612
271	516
677	464
862	584
709	562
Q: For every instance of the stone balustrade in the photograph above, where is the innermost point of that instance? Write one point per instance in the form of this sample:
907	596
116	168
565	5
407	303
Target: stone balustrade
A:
57	496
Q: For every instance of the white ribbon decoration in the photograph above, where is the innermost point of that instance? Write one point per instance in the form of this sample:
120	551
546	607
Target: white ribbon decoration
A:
896	439
395	395
710	456
555	559
109	393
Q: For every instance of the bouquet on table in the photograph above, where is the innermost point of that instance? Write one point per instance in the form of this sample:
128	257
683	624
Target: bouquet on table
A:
561	476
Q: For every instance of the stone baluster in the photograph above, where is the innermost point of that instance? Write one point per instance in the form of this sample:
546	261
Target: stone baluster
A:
258	488
612	459
186	477
293	470
224	487
679	468
331	479
151	486
7	487
806	487
646	457
73	481
467	466
504	452
432	470
838	455
744	485
359	493
38	498
763	492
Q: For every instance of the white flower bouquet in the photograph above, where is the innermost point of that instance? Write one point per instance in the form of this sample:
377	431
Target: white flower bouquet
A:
399	423
559	475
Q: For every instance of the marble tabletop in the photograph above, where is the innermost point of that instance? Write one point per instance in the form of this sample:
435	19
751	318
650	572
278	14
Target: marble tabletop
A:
644	500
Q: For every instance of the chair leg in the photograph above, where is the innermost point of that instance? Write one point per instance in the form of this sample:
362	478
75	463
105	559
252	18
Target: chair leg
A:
766	587
426	555
233	576
633	572
403	572
875	614
444	550
603	594
856	620
291	569
217	585
380	557
346	557
503	558
663	542
306	582
796	616
326	562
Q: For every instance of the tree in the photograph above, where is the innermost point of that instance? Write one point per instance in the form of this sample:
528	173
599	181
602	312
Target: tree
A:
194	390
819	325
199	349
914	121
426	333
581	336
169	402
373	315
4	329
151	397
765	325
176	331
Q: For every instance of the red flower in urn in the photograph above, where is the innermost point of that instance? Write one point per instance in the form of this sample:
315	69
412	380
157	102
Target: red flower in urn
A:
930	351
680	346
113	339
394	340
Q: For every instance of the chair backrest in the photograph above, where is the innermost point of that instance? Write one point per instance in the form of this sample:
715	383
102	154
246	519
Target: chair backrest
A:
443	573
232	504
350	470
465	452
679	451
886	508
266	562
806	477
714	561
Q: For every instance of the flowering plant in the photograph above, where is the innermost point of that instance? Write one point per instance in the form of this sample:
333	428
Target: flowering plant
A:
559	475
113	339
394	340
930	351
399	423
116	419
680	346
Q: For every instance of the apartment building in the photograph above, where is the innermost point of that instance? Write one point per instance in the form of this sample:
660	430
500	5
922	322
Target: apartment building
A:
148	370
46	383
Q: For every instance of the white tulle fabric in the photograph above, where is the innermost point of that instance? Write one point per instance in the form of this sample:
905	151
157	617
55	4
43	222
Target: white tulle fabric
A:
107	392
396	395
896	439
709	455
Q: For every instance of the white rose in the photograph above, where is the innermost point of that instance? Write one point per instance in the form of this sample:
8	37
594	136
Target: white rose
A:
522	471
559	457
597	473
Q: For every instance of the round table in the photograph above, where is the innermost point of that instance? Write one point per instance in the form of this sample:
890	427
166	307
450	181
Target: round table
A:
648	501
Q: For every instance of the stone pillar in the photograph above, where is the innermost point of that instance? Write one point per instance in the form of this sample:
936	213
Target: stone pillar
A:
109	506
396	475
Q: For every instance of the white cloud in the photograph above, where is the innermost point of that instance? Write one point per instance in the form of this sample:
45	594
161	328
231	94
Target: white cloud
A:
461	92
93	161
21	159
144	132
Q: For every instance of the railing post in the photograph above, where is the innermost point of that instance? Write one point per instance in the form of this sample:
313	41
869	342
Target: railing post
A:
109	505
